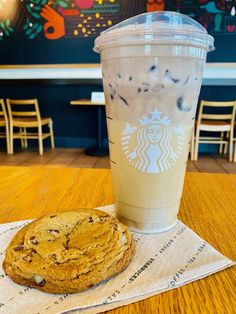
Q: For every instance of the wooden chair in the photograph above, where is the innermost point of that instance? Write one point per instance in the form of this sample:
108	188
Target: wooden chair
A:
4	123
215	122
234	142
25	114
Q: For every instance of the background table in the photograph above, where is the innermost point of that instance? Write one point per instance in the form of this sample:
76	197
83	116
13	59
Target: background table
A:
99	149
208	207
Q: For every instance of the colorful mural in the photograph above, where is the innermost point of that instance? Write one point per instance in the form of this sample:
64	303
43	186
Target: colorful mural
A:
54	19
63	31
218	16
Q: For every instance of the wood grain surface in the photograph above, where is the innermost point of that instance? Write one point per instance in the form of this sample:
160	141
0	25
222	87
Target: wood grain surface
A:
208	207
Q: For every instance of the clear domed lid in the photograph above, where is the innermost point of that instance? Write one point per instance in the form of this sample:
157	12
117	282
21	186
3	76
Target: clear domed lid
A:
156	27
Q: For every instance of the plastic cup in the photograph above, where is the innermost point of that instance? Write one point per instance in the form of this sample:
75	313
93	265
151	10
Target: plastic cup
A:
152	68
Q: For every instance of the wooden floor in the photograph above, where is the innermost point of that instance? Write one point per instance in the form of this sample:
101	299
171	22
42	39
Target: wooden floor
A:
68	157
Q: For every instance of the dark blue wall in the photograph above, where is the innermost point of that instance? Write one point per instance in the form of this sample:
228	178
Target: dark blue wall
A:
215	93
75	126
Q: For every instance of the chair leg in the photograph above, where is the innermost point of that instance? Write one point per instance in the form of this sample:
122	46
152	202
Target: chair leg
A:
40	140
196	144
221	144
226	148
192	145
51	134
11	140
231	146
235	150
226	145
22	141
25	138
8	139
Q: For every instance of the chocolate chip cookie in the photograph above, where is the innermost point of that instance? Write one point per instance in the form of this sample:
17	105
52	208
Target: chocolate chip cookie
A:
69	251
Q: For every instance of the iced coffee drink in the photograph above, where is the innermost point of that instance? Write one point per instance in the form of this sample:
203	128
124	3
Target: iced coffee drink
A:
152	71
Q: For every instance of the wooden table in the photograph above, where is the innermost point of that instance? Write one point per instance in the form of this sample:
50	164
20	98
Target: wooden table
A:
208	207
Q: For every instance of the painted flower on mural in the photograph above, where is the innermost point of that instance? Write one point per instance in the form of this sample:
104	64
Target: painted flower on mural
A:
5	29
7	10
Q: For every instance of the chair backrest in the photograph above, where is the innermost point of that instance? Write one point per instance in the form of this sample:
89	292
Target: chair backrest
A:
226	109
3	112
23	108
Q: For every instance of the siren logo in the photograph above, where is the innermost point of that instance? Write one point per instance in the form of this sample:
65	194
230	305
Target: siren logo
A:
154	145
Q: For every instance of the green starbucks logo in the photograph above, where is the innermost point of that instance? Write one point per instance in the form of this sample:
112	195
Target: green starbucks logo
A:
153	146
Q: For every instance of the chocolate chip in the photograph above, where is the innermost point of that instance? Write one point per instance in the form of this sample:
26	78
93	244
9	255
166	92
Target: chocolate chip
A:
103	218
130	78
139	90
145	90
20	247
33	241
115	227
112	96
119	75
91	219
52	216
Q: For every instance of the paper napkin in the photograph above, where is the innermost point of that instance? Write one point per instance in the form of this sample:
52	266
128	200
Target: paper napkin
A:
162	262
